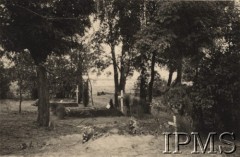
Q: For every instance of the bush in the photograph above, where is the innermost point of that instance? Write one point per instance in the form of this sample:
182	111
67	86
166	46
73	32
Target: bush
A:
61	112
177	99
184	124
200	108
134	105
58	110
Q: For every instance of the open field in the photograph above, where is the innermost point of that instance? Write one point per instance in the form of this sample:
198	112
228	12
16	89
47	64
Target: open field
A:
20	135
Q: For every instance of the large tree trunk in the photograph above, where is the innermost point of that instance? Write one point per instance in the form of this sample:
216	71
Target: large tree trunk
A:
115	71
43	105
150	86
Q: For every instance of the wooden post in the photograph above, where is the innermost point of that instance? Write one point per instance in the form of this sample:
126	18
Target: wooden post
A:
77	93
121	99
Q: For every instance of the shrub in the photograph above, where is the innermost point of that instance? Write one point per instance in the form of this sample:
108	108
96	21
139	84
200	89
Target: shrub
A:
184	124
177	99
134	105
61	112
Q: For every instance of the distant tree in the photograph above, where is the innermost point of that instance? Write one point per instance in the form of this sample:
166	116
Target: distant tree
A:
129	14
67	71
61	76
110	36
120	21
24	72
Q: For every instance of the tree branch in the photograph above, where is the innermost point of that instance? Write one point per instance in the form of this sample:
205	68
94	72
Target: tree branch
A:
46	17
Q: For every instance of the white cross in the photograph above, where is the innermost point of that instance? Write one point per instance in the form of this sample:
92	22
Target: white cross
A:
174	123
121	98
77	91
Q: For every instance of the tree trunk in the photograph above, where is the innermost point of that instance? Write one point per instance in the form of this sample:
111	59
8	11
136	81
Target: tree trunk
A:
91	94
179	71
122	83
150	86
122	70
115	71
80	79
143	94
143	86
20	97
80	87
43	105
170	76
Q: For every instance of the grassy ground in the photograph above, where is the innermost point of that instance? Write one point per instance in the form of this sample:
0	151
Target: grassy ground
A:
21	136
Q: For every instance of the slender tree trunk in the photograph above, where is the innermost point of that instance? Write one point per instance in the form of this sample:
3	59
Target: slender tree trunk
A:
115	71
170	76
150	86
143	94
43	106
91	94
80	79
143	91
20	79
179	71
20	96
122	77
85	94
122	82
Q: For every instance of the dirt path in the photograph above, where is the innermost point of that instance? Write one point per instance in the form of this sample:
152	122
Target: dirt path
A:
112	145
109	146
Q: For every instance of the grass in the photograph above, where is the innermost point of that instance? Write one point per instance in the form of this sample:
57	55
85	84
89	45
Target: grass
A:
19	129
102	100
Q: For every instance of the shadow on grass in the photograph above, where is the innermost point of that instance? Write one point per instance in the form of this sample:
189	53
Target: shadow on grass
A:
96	112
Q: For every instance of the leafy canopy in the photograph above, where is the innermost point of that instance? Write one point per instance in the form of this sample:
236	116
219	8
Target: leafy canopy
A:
43	26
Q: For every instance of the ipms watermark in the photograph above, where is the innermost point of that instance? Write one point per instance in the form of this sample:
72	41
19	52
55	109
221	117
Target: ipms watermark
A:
225	145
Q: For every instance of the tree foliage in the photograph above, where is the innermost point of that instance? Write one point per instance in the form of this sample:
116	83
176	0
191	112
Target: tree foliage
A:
204	47
42	27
